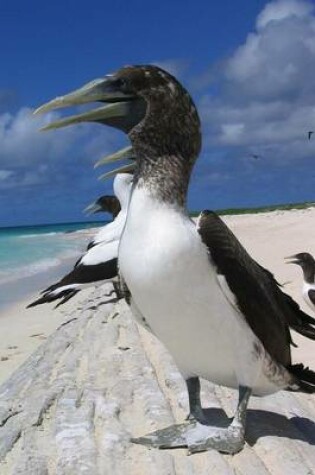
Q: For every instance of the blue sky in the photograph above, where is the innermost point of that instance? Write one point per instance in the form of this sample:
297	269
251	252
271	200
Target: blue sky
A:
248	64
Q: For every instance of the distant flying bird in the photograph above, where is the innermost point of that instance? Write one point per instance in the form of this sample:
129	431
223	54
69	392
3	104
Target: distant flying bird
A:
221	315
309	134
98	264
255	156
306	261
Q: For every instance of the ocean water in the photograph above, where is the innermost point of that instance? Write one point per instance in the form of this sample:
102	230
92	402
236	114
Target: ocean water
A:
32	257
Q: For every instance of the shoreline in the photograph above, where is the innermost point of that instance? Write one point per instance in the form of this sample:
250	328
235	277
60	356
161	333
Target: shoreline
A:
26	329
19	288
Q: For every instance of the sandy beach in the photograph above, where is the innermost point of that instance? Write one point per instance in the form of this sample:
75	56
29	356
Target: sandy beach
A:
106	379
25	329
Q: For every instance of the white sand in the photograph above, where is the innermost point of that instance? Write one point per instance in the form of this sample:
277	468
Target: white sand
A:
268	237
23	330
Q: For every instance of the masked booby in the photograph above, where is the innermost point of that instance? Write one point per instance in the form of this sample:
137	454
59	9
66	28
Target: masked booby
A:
98	264
306	261
221	315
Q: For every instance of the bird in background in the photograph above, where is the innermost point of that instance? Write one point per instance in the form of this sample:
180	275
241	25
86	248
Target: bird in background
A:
122	187
98	265
307	263
221	315
105	204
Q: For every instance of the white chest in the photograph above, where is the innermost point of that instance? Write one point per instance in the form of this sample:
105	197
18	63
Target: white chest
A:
167	269
305	290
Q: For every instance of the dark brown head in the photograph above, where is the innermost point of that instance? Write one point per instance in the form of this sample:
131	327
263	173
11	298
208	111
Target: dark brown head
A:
147	103
107	204
306	262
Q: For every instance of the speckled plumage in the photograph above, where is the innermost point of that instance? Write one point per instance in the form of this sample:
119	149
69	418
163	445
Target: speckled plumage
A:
164	155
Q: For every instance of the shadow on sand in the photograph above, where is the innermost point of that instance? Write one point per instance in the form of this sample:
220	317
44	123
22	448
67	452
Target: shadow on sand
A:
261	423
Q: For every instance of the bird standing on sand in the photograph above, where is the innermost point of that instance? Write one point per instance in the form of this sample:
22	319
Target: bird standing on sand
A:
307	263
98	265
221	315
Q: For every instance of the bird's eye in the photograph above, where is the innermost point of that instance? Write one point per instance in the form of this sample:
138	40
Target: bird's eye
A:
120	83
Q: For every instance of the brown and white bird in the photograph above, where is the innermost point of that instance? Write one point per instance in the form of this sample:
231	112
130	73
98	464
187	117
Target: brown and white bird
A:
105	204
307	263
98	265
220	314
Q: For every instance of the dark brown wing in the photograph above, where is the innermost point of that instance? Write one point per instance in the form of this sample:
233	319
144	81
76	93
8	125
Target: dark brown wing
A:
268	311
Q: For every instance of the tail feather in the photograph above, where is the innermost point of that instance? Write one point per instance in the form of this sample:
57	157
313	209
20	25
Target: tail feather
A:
305	377
306	318
298	320
67	297
50	297
306	330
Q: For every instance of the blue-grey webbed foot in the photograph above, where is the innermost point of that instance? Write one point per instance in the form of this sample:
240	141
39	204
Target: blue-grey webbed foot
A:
169	438
230	440
201	438
198	437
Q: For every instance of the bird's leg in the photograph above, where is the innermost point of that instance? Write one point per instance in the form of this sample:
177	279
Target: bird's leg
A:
116	290
230	440
195	410
116	286
199	437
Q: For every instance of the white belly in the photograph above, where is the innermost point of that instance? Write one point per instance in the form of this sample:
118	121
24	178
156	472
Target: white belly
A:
306	288
167	270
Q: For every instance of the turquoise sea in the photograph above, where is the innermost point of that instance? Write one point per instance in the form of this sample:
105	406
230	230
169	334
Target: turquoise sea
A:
32	257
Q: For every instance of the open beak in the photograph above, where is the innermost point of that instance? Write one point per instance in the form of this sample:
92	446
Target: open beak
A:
97	115
293	260
129	168
99	90
92	208
122	110
123	154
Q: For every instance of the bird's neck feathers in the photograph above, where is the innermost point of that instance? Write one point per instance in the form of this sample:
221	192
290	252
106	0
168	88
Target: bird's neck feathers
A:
167	142
122	187
309	273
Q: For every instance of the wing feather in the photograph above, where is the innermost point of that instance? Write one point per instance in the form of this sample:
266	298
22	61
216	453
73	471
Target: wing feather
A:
267	309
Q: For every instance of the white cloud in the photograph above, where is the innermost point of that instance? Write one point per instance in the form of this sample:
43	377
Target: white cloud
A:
282	9
279	58
5	174
22	144
267	92
30	157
